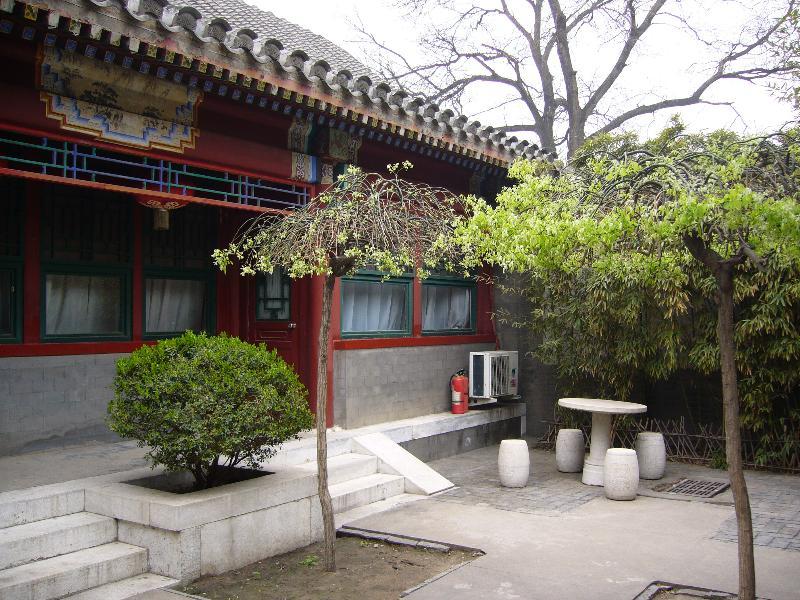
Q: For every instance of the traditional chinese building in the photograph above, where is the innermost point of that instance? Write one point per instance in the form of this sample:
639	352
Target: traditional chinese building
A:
136	137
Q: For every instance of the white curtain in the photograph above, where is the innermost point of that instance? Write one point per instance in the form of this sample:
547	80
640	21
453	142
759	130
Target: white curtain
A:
373	306
82	304
446	307
174	305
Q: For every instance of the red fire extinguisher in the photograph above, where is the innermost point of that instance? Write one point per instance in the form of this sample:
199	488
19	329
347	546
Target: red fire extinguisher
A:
459	388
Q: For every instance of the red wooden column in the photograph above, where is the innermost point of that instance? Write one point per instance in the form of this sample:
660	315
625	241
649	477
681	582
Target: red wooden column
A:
416	294
228	284
31	275
137	277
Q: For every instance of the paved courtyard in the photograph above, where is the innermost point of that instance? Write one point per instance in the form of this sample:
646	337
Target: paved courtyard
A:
557	538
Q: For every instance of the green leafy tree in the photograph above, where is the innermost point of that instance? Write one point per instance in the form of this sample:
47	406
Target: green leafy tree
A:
618	335
201	403
647	218
365	220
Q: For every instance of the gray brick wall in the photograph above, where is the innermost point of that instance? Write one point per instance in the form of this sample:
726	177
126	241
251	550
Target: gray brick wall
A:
386	384
54	400
537	381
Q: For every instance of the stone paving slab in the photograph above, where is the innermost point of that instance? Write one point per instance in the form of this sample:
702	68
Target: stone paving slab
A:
776	520
542	544
775	498
58	465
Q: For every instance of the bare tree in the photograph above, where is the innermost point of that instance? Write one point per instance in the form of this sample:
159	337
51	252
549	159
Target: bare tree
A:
785	49
528	53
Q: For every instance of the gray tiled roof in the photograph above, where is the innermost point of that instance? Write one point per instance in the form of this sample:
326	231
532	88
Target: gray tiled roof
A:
265	24
248	32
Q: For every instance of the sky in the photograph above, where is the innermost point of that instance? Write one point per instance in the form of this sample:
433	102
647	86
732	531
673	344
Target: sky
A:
669	59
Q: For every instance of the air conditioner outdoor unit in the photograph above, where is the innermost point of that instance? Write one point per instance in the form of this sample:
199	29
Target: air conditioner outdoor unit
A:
493	375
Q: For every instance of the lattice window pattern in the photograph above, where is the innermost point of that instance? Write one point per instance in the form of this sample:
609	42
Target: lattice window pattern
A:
187	243
11	215
88	163
80	226
273	296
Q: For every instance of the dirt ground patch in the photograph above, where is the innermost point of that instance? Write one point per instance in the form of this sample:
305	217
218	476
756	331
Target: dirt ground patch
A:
366	570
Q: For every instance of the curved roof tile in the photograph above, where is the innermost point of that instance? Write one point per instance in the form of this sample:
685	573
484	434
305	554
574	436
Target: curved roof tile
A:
241	28
293	37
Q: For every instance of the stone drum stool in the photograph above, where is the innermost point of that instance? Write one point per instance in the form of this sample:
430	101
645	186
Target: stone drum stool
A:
652	454
514	463
621	474
570	448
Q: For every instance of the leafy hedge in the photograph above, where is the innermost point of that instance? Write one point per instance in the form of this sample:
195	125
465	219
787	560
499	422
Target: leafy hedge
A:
195	399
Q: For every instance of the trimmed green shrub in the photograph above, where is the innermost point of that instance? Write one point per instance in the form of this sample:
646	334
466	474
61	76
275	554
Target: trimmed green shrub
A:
201	403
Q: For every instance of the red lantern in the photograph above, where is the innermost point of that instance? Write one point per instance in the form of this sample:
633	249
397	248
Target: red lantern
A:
161	206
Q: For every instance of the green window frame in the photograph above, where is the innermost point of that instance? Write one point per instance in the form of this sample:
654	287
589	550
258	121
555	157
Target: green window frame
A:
177	255
86	234
11	275
122	275
376	278
208	310
445	282
12	234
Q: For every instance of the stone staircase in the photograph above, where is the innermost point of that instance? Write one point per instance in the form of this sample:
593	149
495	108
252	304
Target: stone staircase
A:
50	547
63	552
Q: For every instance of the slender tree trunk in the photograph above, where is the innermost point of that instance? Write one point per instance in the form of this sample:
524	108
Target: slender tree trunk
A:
322	442
733	434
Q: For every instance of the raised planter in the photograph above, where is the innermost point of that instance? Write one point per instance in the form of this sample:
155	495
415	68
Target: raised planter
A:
211	531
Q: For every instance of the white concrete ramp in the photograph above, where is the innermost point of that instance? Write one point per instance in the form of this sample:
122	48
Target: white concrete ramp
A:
394	460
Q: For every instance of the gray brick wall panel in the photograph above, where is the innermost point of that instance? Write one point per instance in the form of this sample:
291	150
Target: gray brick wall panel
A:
386	384
54	400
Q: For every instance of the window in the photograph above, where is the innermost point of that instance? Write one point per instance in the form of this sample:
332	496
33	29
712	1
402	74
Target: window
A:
84	305
178	274
86	256
372	307
175	305
273	296
11	246
448	306
9	304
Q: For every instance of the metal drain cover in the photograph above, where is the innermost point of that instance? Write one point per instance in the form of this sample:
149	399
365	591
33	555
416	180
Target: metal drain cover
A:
698	488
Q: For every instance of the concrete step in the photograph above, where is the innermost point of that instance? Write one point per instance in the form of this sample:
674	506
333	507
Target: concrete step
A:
127	588
360	512
53	537
304	450
396	460
345	467
71	573
365	490
36	504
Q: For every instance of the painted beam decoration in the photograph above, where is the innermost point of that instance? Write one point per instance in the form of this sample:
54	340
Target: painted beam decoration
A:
116	105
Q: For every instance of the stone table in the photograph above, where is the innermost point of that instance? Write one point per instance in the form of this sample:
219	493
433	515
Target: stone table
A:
601	430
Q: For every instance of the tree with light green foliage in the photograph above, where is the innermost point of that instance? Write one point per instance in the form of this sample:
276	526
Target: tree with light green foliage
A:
644	216
365	220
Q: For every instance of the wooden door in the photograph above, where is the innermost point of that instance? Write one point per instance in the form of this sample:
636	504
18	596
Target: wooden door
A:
274	314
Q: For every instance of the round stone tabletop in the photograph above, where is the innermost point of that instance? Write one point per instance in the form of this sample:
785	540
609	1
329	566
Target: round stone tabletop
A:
602	406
